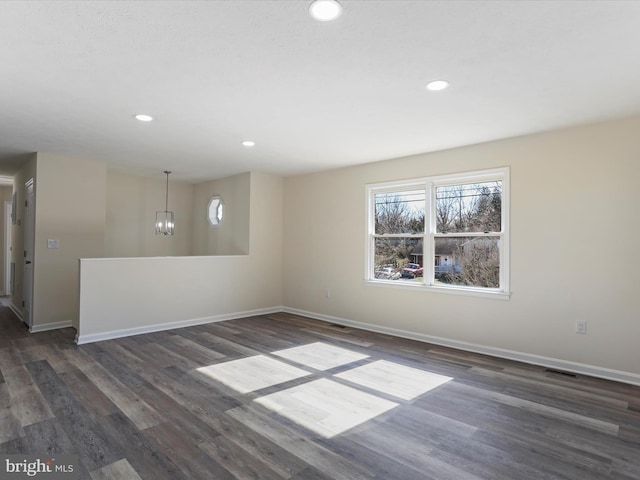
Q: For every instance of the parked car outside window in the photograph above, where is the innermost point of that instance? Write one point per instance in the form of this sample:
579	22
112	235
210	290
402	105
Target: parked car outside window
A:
387	273
412	270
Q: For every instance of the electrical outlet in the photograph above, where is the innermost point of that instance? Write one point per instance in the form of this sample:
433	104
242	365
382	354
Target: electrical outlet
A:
581	327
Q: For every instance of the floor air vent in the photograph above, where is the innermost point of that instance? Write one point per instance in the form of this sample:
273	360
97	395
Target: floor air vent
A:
560	372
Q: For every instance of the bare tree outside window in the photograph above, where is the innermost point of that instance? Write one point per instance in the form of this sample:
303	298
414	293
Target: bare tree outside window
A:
444	230
399	212
469	208
474	207
399	218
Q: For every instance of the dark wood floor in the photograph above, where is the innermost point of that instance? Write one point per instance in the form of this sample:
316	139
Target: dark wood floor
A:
139	407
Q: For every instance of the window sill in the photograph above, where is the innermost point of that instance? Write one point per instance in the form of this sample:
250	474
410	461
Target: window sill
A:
448	290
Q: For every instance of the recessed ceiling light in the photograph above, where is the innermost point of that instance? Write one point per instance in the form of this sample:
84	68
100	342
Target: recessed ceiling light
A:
144	118
325	10
248	143
436	85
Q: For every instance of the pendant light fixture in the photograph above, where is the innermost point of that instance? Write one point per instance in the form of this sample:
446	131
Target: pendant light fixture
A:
164	220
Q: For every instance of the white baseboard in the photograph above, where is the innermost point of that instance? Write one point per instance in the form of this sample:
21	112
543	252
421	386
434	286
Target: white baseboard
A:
50	326
42	327
16	310
555	363
127	332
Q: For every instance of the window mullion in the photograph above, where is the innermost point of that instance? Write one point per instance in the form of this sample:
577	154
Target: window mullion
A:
430	228
467	234
397	235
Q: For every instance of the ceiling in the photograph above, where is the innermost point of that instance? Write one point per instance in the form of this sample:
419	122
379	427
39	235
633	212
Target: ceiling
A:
312	95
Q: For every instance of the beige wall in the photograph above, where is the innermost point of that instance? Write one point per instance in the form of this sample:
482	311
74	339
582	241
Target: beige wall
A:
266	238
70	208
123	296
231	237
132	203
574	254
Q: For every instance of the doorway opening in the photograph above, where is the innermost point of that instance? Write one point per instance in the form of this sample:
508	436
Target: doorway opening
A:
6	251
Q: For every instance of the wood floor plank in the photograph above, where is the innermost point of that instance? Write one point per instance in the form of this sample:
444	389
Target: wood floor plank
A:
9	357
547	456
115	367
139	408
5	398
27	402
190	424
625	469
486	462
11	426
171	358
554	390
312	453
174	413
194	351
185	397
413	422
237	347
237	461
551	412
28	352
146	458
124	398
195	389
385	464
120	470
179	447
415	453
312	473
127	354
16	445
222	346
88	393
48	438
51	353
276	457
88	438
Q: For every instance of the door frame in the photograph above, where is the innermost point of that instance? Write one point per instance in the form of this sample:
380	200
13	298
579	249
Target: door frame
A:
29	247
8	205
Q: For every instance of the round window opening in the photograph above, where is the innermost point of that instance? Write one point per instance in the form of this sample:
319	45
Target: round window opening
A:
215	210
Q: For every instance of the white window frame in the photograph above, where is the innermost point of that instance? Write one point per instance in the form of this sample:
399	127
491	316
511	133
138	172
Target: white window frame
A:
215	220
429	184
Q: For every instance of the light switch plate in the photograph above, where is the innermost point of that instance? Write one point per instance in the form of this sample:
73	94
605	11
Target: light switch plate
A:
52	243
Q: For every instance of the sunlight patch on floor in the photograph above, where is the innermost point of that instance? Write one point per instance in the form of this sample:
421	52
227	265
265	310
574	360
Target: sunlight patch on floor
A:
320	356
326	407
400	381
252	373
